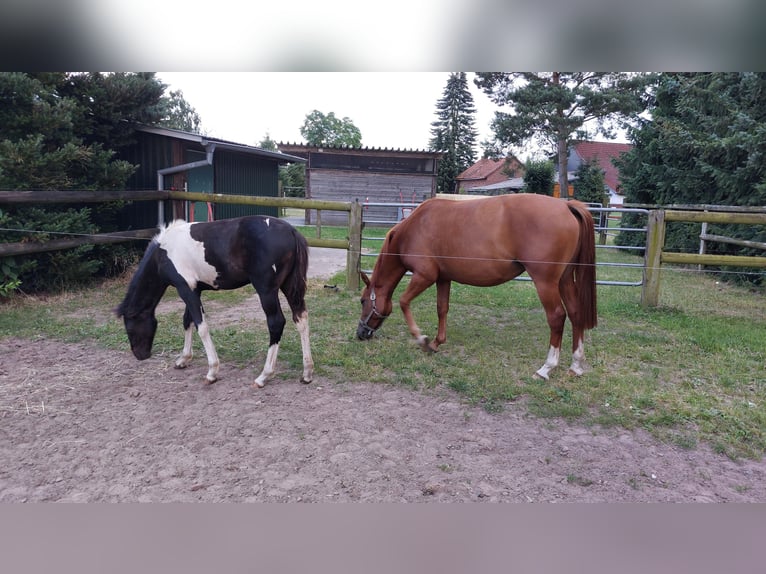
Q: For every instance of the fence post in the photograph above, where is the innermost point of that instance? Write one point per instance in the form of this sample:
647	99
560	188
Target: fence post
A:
655	241
354	257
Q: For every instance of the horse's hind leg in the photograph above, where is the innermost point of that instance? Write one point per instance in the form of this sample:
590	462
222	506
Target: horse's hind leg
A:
556	316
275	320
302	324
569	294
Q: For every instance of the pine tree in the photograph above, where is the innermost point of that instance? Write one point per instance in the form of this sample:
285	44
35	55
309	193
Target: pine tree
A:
704	144
555	107
454	131
61	131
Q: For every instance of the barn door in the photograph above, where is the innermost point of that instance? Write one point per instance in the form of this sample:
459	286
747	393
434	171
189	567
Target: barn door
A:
200	180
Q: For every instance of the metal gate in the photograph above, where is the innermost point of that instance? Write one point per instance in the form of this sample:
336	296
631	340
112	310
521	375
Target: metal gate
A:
389	214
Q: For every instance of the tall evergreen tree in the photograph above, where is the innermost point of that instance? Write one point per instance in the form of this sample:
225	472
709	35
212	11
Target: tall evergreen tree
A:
555	107
61	131
704	144
454	131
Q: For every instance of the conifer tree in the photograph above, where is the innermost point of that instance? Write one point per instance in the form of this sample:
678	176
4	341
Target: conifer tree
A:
62	131
454	131
555	107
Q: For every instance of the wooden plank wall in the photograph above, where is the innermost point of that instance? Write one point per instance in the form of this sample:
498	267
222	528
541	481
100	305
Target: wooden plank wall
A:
333	185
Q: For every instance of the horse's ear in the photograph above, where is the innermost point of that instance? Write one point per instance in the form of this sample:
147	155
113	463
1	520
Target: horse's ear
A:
364	277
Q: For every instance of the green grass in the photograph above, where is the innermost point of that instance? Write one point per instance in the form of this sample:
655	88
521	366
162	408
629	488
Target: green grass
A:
691	371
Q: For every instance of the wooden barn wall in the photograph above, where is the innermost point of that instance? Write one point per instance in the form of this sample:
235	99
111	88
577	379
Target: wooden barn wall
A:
331	185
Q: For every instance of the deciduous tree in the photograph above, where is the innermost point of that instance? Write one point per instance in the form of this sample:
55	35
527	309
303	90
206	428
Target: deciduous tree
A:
320	129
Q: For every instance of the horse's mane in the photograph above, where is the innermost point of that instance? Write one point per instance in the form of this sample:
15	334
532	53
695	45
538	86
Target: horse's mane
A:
163	229
130	304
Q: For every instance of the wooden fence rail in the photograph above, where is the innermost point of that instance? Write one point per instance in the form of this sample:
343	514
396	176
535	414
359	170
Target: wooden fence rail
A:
655	255
353	245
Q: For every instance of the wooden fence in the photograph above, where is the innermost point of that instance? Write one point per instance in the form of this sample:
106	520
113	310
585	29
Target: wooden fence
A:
655	255
353	245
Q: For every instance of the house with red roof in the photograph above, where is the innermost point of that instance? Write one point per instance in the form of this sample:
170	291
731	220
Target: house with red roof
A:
602	153
489	174
497	176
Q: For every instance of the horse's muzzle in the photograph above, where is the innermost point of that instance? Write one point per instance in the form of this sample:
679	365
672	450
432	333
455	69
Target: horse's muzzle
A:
364	332
142	354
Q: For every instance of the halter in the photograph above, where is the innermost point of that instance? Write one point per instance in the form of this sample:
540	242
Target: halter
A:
363	323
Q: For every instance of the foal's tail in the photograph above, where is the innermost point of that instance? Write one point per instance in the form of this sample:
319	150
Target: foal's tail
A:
585	265
295	285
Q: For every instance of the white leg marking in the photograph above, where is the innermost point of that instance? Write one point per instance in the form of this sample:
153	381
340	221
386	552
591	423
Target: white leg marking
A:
185	357
268	222
269	367
578	360
550	363
308	361
212	356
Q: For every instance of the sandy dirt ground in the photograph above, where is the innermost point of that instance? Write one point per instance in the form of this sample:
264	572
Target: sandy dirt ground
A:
83	424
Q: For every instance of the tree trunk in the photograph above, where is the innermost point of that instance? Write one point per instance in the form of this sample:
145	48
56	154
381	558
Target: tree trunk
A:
561	148
563	160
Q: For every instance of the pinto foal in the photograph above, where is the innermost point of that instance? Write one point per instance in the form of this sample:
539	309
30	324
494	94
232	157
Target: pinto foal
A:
264	251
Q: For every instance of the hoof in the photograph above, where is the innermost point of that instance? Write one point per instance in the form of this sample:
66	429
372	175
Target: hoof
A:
208	381
573	373
540	377
258	384
425	345
305	382
179	366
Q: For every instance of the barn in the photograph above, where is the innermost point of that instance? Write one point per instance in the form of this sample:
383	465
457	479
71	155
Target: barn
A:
367	175
175	159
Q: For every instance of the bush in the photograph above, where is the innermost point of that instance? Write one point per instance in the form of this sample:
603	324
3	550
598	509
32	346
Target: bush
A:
589	185
538	177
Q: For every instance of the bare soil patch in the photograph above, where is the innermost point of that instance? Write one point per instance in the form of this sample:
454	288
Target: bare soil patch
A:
80	423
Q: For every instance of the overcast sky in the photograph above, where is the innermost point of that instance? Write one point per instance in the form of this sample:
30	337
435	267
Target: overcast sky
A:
392	110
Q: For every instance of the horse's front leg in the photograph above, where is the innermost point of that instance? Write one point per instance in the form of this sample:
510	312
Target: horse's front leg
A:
185	357
195	314
442	308
417	285
212	356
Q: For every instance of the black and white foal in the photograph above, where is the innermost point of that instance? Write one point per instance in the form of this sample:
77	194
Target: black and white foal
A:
192	257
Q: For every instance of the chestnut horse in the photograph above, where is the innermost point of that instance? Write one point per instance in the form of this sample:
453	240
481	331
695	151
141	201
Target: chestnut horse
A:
486	242
266	252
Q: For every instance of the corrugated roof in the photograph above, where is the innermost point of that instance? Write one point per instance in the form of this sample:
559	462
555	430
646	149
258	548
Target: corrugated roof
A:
221	144
512	183
363	149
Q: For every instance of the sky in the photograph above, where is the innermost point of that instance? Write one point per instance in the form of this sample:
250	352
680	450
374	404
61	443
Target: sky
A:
391	109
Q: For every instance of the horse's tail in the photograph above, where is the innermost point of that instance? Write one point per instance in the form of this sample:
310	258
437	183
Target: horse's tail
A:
585	265
295	288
